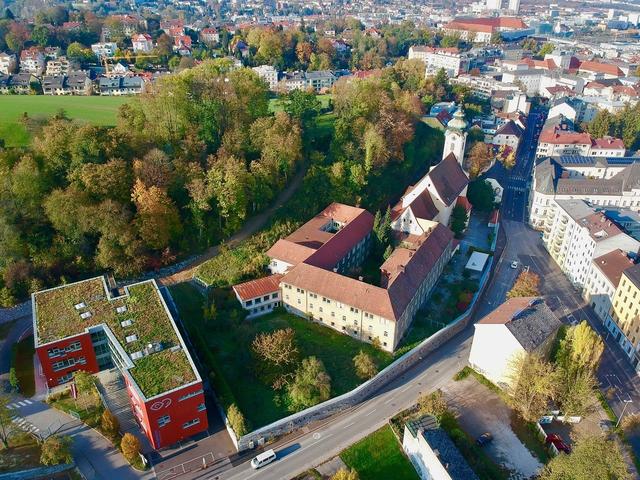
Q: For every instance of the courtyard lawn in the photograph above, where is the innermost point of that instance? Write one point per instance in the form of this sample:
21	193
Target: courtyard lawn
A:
229	346
276	105
92	109
379	457
22	361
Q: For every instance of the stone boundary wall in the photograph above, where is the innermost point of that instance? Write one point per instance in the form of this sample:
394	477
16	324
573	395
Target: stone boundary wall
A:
40	472
391	372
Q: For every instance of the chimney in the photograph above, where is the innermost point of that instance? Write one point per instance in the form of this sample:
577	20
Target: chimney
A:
360	278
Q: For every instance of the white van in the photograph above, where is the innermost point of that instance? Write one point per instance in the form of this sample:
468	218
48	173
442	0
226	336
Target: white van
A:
263	459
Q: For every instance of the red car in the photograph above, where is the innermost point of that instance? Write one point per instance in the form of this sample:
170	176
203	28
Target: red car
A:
558	443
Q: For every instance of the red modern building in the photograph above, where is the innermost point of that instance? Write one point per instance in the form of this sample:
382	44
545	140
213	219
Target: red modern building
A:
88	326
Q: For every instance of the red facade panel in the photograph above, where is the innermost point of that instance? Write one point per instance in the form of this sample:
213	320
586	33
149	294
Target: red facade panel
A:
60	359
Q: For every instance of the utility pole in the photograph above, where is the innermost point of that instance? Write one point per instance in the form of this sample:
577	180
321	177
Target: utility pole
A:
626	402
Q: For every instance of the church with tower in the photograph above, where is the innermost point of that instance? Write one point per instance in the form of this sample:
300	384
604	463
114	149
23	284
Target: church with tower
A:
433	198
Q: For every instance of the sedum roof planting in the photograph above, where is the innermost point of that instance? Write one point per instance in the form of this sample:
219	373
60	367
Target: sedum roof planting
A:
144	321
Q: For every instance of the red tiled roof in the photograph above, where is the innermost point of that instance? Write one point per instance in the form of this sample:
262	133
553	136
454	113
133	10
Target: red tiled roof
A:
289	252
556	137
600	67
405	269
258	288
505	312
608	143
488	25
613	264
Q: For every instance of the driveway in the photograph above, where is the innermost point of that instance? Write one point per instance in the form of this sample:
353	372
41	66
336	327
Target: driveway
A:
481	410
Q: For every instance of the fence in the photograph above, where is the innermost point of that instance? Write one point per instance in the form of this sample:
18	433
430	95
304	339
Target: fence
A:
394	370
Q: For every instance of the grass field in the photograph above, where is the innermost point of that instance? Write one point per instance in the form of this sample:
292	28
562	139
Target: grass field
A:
275	104
93	109
230	346
379	457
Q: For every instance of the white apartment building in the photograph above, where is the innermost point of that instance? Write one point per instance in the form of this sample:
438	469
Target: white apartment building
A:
8	63
603	279
268	74
59	66
450	59
577	234
556	142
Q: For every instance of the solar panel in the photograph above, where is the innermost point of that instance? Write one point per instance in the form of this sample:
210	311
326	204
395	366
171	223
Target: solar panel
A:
622	160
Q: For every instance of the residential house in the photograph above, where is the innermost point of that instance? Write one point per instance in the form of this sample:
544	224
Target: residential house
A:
261	296
142	43
104	49
59	66
32	61
602	281
209	35
432	453
54	85
19	84
520	326
561	141
8	63
120	85
509	134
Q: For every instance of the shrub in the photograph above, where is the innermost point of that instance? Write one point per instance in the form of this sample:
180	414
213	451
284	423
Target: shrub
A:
365	365
236	420
56	450
110	424
130	446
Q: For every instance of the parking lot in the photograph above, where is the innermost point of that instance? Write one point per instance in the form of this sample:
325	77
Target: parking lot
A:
480	410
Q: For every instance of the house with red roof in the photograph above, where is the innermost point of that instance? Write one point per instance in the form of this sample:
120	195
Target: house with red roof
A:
600	69
559	141
259	297
480	30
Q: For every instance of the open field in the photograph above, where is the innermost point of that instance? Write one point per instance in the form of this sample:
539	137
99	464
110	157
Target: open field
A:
92	109
230	348
379	457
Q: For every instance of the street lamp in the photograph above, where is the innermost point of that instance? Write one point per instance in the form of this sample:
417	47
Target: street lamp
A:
626	402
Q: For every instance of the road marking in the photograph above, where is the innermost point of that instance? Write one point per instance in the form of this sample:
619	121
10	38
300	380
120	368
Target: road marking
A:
389	401
318	441
22	404
11	406
406	388
347	426
28	402
372	411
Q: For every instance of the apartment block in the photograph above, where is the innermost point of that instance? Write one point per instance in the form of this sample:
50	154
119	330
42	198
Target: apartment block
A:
603	279
624	321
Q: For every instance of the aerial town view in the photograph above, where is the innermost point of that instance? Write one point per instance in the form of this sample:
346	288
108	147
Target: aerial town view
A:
328	240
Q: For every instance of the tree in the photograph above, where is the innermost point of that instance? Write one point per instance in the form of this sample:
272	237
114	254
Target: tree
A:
345	474
581	348
458	219
533	384
602	124
236	420
110	424
479	159
157	217
13	379
311	384
526	285
576	391
432	403
365	365
278	347
546	49
40	35
7	427
591	457
85	382
130	446
56	450
303	106
509	160
481	196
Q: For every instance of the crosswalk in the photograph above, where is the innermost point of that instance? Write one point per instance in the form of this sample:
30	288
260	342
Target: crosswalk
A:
22	403
24	424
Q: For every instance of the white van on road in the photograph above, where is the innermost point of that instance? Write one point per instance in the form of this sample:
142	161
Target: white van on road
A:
263	459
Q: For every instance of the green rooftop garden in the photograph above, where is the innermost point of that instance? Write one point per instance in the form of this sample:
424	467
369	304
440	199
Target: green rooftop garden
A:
59	315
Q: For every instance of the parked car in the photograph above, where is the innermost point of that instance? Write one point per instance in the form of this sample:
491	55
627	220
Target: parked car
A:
263	459
514	264
557	442
484	439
